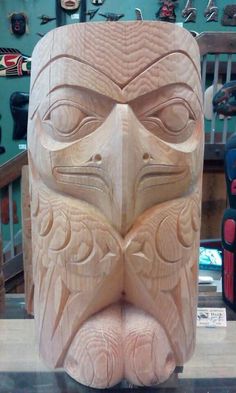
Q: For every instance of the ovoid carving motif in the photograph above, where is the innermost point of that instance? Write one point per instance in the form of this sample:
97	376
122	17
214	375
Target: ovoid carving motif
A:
115	153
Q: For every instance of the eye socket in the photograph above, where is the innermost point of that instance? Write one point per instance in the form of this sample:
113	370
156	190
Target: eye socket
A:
65	118
67	121
173	122
174	117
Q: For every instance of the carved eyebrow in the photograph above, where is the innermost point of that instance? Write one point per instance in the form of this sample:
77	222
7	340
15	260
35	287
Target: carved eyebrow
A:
120	85
87	76
156	61
78	60
79	75
85	91
136	104
86	98
162	95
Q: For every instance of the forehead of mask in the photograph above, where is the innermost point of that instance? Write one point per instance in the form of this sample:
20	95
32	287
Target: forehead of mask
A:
121	57
70	4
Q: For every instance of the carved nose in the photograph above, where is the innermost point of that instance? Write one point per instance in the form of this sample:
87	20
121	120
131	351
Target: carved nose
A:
125	157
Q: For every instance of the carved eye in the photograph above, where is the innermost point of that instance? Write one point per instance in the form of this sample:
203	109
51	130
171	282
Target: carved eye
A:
173	122
174	117
66	118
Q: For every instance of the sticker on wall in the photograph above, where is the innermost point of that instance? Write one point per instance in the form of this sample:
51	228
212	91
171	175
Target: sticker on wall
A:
211	12
166	12
75	16
229	15
14	63
45	19
189	12
138	14
70	5
92	13
111	17
18	23
97	2
22	146
19	103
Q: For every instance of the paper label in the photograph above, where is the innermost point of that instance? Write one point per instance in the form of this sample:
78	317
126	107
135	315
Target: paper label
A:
75	16
22	146
211	317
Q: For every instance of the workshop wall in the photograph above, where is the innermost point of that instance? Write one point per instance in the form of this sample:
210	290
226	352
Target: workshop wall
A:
25	44
150	7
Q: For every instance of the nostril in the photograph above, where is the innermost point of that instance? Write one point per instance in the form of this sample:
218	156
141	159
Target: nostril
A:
97	158
146	157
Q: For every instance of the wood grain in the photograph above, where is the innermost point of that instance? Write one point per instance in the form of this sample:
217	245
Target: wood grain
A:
26	240
116	156
214	357
216	42
11	170
214	202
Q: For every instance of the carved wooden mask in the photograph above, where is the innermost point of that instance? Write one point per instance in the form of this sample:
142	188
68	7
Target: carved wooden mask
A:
70	4
115	151
229	15
19	23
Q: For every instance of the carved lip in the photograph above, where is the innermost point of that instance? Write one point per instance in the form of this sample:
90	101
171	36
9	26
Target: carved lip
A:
70	3
154	175
87	177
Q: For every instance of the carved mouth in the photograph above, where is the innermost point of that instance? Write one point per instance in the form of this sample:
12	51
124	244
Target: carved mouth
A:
155	175
86	177
70	3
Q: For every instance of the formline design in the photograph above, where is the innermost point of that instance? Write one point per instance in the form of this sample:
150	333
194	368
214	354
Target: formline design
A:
115	156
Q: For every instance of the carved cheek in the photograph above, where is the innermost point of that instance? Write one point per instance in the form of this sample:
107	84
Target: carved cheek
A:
188	223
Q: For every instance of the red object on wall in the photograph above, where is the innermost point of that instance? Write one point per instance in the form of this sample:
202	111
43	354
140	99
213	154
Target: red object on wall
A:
5	211
229	275
233	187
229	231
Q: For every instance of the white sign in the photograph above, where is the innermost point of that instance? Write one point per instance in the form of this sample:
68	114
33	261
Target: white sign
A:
211	317
22	146
75	16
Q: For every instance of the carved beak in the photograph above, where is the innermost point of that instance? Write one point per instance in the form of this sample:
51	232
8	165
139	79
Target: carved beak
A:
140	174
